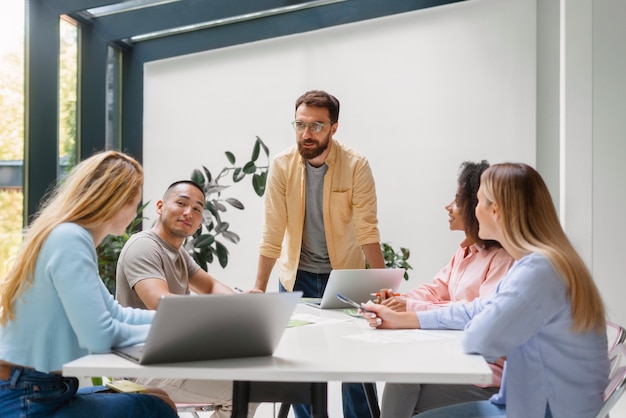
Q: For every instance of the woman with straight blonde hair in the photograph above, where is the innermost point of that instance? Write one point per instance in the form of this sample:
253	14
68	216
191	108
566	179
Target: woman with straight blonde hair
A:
546	316
54	307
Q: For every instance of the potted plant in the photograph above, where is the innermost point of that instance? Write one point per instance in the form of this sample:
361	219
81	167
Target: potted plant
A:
109	250
205	245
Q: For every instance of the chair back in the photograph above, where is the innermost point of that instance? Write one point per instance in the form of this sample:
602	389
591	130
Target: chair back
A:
616	334
617	383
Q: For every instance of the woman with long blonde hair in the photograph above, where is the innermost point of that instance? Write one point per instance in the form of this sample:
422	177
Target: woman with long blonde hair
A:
54	307
546	317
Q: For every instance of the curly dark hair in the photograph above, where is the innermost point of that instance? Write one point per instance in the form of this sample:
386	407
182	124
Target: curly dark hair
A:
466	199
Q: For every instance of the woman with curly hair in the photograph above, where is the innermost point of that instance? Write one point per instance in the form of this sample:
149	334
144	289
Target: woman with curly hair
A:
474	270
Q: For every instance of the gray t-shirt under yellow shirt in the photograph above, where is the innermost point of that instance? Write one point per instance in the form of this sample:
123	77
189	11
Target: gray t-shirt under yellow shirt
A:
314	256
146	255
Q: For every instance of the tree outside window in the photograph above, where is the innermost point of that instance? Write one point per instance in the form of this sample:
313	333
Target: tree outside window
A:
12	117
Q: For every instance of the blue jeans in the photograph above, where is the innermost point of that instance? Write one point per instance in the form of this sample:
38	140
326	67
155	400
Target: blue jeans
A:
353	397
312	285
32	394
477	409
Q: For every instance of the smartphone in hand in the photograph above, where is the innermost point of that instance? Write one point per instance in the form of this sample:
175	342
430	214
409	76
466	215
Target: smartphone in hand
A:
349	301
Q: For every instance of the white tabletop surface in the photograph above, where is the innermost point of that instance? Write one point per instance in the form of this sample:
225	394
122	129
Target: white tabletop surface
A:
334	347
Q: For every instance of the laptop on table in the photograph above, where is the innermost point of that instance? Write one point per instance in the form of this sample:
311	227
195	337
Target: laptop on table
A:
208	327
356	284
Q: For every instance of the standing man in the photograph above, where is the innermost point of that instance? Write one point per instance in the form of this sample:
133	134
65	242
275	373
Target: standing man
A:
320	214
154	263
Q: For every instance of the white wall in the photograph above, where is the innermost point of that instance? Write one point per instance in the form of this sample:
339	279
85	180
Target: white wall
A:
609	153
420	93
581	103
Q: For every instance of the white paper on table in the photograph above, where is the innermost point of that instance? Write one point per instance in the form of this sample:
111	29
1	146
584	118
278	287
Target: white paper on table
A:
397	336
316	319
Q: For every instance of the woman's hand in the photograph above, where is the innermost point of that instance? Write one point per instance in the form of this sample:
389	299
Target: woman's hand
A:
391	299
383	317
396	303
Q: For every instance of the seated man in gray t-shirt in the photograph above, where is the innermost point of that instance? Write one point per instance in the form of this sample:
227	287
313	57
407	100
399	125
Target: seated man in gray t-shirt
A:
154	263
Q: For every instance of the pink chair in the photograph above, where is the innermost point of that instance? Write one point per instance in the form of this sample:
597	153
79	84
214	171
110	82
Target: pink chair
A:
616	334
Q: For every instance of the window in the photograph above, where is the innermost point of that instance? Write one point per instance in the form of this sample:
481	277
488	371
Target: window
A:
12	121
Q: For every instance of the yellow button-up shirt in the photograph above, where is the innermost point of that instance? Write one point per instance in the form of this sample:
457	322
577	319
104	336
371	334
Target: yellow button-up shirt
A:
349	209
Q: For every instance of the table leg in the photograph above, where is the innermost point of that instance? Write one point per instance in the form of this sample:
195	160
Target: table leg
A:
283	412
314	393
319	400
372	399
241	398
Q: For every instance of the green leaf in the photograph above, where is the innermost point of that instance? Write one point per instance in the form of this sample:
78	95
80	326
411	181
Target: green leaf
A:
208	257
204	241
265	149
197	177
234	203
218	205
231	236
208	175
210	206
255	151
249	168
213	188
209	225
258	183
238	174
221	227
222	253
202	262
231	157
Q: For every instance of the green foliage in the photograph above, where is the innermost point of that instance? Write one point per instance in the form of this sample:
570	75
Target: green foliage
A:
397	259
68	81
204	245
12	106
12	128
110	248
10	226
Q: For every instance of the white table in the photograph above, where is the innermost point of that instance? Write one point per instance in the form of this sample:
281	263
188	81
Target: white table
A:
337	347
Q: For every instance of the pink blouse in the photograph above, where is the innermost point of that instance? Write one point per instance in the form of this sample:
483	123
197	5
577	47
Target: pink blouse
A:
464	279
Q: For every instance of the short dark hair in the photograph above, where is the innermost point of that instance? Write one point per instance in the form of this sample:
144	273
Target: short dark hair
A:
320	98
176	183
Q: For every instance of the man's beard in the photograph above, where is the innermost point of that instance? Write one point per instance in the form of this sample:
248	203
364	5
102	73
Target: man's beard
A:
177	231
310	153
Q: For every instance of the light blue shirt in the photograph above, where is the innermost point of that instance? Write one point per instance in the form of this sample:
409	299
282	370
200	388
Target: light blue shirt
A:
68	312
528	320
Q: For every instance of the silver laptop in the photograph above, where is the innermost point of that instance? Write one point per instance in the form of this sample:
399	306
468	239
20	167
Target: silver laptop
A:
357	285
207	327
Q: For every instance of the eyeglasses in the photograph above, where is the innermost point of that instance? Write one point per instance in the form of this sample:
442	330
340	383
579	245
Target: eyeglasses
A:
315	127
